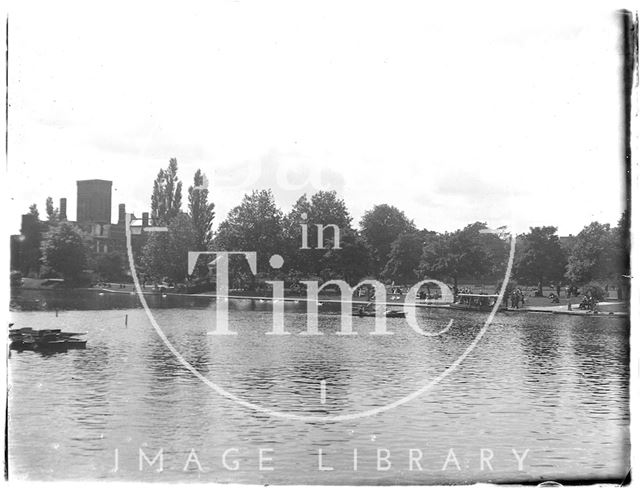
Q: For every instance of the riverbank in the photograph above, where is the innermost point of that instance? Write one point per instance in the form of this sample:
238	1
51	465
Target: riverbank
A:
563	310
125	296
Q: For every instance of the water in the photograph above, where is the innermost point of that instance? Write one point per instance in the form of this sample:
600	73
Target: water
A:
556	386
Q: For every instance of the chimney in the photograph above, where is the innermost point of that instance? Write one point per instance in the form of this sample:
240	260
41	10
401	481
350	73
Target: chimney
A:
121	213
63	209
145	219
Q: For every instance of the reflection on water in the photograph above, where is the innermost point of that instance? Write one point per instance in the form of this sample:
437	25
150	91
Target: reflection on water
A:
541	397
28	299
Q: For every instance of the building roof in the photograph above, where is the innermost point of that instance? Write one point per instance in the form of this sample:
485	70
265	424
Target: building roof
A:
94	181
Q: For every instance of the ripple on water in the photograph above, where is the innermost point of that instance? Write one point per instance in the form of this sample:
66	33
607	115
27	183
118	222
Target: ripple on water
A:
555	385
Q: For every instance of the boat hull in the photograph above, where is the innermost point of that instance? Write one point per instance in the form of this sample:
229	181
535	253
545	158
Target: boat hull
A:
28	339
389	315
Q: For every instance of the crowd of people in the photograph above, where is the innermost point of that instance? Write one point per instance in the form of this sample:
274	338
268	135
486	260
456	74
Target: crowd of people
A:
517	298
588	303
457	291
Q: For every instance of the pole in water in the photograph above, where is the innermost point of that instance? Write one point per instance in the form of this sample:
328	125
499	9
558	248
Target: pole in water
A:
126	319
56	312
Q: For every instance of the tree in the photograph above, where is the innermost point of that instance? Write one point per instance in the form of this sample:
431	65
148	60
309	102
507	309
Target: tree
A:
496	249
437	260
462	253
165	254
380	226
300	262
593	255
351	263
15	279
166	199
621	237
64	250
33	210
201	212
254	225
111	266
30	242
404	258
325	209
52	212
540	257
622	254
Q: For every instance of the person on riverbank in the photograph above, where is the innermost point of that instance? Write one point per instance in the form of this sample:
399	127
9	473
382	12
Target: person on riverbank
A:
515	300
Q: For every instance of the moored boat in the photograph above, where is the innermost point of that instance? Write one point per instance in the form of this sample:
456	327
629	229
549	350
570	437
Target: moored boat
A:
370	312
475	302
28	339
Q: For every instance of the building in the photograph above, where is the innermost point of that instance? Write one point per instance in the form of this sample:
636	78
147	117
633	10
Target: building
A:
94	202
93	218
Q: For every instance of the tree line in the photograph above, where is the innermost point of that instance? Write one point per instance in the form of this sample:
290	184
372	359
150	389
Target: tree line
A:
385	244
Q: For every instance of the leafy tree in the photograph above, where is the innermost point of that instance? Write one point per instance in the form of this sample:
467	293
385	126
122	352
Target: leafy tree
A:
254	225
622	255
351	263
52	212
621	237
437	259
324	208
593	255
404	258
462	253
201	212
30	242
33	210
166	199
380	226
64	250
154	256
497	252
540	257
111	266
15	279
327	208
165	254
302	262
181	240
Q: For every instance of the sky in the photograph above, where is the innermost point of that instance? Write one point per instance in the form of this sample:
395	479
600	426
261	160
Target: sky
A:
454	115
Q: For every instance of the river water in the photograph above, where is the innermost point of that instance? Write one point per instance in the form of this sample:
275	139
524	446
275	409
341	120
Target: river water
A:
541	397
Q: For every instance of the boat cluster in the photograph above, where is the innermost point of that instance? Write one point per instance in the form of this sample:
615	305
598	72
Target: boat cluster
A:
28	339
368	310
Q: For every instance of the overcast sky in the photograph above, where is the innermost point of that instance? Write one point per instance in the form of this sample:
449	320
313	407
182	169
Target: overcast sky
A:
509	116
